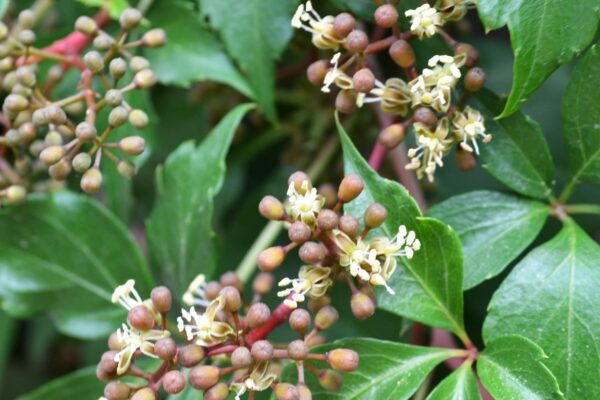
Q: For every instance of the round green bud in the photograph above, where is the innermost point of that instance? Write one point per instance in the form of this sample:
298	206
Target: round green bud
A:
138	63
241	357
36	147
81	162
165	348
144	79
297	350
27	37
113	97
15	103
392	136
60	170
117	68
118	116
91	181
330	380
6	64
299	320
53	138
3	31
56	115
117	391
103	42
262	350
271	208
28	132
126	169
86	132
173	382
12	137
342	359
362	306
161	298
190	355
155	38
375	215
232	298
132	145
15	194
51	155
258	314
218	392
204	377
26	19
40	117
86	25
304	392
349	224
326	317
271	258
26	76
130	18
138	119
286	391
10	80
93	61
350	187
144	394
312	252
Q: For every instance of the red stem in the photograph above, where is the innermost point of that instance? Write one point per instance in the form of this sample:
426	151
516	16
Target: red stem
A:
279	316
230	348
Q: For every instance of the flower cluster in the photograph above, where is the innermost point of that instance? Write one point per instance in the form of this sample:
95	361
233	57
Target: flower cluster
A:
50	135
424	101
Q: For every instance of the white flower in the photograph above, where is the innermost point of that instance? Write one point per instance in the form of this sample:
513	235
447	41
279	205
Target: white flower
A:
323	34
334	75
194	295
126	295
434	86
431	147
131	340
356	256
257	380
304	204
467	126
203	327
425	21
313	281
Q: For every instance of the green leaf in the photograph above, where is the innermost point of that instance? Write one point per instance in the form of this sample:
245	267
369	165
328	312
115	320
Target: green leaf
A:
81	385
545	34
3	7
511	367
387	370
518	154
179	229
65	253
581	118
494	228
115	7
429	286
459	385
7	336
192	53
552	298
255	49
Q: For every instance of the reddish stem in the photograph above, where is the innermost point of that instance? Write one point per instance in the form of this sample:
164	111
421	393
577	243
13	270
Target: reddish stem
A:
377	156
230	348
279	316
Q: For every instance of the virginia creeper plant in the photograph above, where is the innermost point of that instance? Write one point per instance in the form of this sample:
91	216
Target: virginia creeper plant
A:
368	212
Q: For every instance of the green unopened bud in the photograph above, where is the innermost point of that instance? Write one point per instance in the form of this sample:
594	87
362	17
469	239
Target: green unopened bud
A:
103	42
51	155
86	25
56	115
350	187
330	380
3	31
155	38
144	79
86	132
342	359
12	137
28	132
40	117
144	394
286	391
126	169
91	181
138	63
375	215
36	147
326	317
113	97
304	392
362	306
191	355
118	116
117	391
15	194
204	377
15	103
132	145
93	61
392	136
53	138
60	170
262	350
173	382
26	19
271	208
6	64
138	119
218	392
27	37
81	162
271	258
26	76
130	18
117	68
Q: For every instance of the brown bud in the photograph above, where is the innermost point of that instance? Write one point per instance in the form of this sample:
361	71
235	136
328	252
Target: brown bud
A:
315	305
327	220
312	252
316	72
165	348
257	315
465	159
350	187
402	53
286	391
114	343
375	215
362	306
271	208
233	300
28	132
298	178
299	232
191	355
231	278
474	79
263	282
425	115
144	394
316	340
161	298
141	318
212	290
116	391
262	350
204	377
386	16
343	24
357	41
132	145
299	320
173	382
326	317
343	359
345	101
304	392
468	50
330	380
241	357
106	370
392	136
328	191
364	80
218	392
349	224
271	258
297	350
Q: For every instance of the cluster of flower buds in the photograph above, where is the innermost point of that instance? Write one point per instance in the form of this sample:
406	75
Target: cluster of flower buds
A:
332	245
224	348
423	100
45	135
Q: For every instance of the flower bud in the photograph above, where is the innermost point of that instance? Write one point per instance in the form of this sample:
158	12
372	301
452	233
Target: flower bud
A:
116	391
286	391
472	55
402	53
364	80
263	283
81	162
350	187
297	350
39	116
165	348
86	132
91	181
303	392
392	136
103	42
349	224
138	119
114	343
465	159
190	355
345	101
299	320
362	306
6	64
173	382
130	18
27	132
140	318
386	16
271	208
26	76
15	103
26	19
271	258
126	169
312	252
15	194
316	72
241	357
51	155
258	314
144	79
231	278
343	24
161	298
299	232
204	377
138	63
86	25
93	61
474	79
212	290
27	37
53	138
113	97
144	394
357	41
233	300
326	317
218	392
327	220
425	115
262	350
12	137
56	115
342	359
133	145
155	38
298	178
330	380
118	116
60	170
117	68
3	31
375	215
106	369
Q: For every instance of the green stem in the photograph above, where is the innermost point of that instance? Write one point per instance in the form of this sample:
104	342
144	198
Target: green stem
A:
582	208
568	190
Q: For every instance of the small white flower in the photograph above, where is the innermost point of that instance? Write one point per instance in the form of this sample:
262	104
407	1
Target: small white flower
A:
336	76
323	35
313	281
467	126
126	295
425	21
131	340
257	380
431	148
304	204
204	328
194	295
